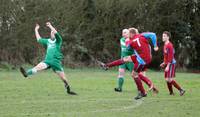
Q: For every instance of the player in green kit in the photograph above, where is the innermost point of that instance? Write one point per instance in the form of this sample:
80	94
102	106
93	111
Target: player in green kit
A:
53	56
127	66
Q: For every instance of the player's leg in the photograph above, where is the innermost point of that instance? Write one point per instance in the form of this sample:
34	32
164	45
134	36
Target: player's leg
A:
120	80
173	81
39	67
138	82
168	79
115	63
140	88
177	86
62	76
57	67
169	86
147	81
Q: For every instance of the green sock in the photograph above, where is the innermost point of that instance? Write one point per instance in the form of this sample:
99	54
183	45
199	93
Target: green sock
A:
120	82
29	72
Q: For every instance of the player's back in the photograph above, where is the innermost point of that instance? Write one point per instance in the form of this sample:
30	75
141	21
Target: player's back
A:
141	46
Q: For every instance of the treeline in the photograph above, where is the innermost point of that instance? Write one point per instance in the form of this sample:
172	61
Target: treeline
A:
91	28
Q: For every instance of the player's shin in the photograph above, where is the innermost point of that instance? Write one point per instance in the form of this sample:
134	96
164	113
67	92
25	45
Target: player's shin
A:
120	82
139	85
146	80
169	86
176	85
65	82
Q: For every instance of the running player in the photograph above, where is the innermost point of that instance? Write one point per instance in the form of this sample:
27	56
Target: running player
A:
53	56
169	64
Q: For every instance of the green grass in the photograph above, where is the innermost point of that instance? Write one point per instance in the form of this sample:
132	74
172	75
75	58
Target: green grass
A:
43	96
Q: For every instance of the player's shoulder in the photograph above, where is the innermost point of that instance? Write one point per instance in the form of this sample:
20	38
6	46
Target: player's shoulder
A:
169	45
57	33
122	39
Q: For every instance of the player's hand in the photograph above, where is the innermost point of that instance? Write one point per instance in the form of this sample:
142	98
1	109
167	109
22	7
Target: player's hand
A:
167	69
37	26
156	48
48	24
162	65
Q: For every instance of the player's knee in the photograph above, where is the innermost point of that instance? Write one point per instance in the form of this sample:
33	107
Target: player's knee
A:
134	75
121	73
143	73
61	74
127	59
169	80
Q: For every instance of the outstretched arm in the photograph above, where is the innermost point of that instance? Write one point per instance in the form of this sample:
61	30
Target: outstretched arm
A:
36	32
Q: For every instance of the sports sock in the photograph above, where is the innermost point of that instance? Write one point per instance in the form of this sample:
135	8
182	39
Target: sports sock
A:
115	63
169	86
176	85
65	82
31	71
145	79
120	82
139	85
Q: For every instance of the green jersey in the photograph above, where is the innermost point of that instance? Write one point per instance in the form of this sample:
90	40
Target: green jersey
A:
53	52
124	50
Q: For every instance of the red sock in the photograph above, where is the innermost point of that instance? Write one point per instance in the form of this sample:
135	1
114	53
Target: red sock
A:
169	85
139	85
115	63
176	84
145	79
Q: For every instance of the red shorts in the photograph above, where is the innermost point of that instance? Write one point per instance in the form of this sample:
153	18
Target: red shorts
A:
137	66
171	72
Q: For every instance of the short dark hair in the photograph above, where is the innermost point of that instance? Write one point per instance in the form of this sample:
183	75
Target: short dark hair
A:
168	34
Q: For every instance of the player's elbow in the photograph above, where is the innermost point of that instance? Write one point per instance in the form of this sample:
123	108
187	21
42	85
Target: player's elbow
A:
153	35
38	39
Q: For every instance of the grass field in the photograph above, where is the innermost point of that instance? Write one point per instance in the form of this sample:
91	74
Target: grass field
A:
43	96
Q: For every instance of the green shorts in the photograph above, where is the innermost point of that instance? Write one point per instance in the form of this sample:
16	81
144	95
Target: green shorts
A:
128	66
56	65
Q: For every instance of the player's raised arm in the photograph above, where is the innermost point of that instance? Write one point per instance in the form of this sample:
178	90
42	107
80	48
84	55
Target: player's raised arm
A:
153	37
36	32
54	33
48	24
